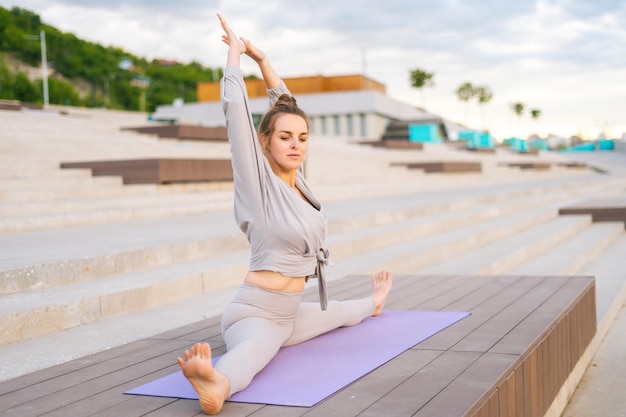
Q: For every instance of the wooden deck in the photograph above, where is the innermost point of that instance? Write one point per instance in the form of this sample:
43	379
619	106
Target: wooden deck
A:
510	357
160	170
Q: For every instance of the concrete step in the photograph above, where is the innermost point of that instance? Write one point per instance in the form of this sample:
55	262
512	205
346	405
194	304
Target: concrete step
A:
165	279
428	249
122	202
91	192
112	215
190	243
447	245
37	313
37	172
374	237
53	182
570	256
518	249
186	241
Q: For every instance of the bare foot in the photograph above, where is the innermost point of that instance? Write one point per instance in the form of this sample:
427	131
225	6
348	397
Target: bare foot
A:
211	385
381	283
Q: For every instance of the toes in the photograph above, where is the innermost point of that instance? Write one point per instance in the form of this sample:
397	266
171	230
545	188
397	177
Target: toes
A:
205	350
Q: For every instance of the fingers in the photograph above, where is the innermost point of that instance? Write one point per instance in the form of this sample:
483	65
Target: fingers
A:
227	29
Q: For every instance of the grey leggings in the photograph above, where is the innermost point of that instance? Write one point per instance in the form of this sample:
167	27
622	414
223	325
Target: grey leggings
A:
258	322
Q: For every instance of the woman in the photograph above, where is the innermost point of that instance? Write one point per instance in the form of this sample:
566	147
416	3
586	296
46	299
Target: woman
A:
286	227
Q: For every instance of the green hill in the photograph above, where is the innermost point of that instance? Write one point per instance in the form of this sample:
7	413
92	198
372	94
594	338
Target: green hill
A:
83	73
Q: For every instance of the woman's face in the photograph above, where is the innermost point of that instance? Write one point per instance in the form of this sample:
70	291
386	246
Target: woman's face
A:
287	146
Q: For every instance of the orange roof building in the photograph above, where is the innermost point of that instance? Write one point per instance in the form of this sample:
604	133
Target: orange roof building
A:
210	91
351	106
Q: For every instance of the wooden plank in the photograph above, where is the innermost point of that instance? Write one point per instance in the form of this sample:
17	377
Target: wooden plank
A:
520	408
11	106
444	166
401	144
132	368
600	210
572	164
537	166
484	310
159	170
178	408
183	131
491	331
548	307
418	391
471	388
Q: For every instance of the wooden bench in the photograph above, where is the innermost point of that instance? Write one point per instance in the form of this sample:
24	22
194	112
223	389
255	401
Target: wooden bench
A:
400	144
480	149
442	166
178	131
15	105
510	357
393	144
9	105
540	166
532	151
160	170
572	164
601	210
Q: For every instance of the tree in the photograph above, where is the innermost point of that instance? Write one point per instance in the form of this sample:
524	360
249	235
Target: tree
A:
81	62
535	114
421	79
465	92
518	109
24	90
484	96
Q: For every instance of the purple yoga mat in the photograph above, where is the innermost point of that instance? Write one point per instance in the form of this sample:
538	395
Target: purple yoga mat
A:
303	375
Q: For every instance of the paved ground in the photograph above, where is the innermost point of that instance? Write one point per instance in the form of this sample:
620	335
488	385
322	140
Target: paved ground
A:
601	392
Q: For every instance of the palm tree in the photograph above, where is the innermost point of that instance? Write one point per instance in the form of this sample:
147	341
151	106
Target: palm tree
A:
465	92
518	109
484	95
535	114
421	79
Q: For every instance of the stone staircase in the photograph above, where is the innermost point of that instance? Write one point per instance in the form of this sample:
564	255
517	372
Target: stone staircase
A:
80	286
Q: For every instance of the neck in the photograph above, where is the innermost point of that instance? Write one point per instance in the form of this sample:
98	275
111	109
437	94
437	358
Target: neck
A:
288	176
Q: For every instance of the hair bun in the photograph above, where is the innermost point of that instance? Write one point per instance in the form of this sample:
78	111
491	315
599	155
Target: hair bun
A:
286	100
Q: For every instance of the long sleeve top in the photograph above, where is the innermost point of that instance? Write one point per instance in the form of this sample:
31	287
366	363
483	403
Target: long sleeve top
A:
286	233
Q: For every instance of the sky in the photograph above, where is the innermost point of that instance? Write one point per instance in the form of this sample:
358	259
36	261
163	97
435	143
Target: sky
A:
565	58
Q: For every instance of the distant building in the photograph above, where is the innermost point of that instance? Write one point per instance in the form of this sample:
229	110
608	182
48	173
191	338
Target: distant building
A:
350	105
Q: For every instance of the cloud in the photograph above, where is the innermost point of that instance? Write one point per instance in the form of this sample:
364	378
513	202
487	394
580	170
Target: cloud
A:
562	56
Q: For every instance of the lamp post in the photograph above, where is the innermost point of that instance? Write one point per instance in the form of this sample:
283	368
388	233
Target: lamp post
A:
44	65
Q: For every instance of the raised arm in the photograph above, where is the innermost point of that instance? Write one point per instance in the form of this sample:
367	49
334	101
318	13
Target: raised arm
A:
238	46
235	46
